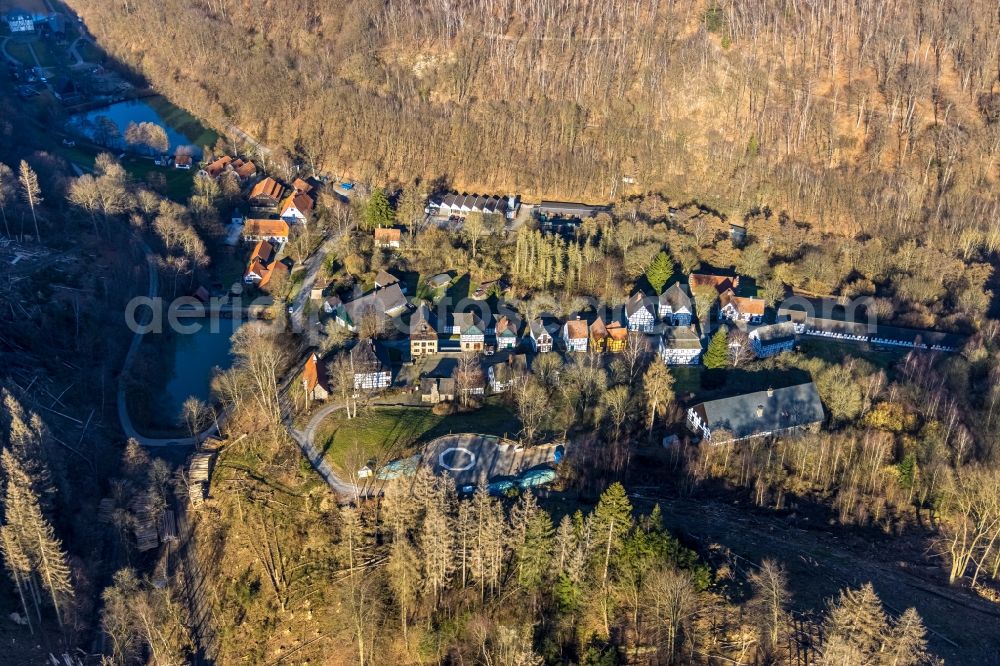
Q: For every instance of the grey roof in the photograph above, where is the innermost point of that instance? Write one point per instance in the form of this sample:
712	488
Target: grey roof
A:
445	385
538	327
381	302
439	280
469	320
568	209
680	337
784	408
676	298
514	365
423	316
636	301
477	202
384	279
368	356
876	332
775	333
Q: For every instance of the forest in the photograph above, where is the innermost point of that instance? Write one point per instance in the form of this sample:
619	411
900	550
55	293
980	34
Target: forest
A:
865	117
856	142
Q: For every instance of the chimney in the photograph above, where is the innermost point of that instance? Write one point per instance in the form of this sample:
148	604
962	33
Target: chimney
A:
760	411
770	392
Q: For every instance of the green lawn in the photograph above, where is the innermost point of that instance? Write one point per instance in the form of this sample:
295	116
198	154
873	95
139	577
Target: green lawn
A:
47	55
392	432
182	121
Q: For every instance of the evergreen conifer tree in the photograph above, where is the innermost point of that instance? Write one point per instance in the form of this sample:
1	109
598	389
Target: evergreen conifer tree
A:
660	271
717	355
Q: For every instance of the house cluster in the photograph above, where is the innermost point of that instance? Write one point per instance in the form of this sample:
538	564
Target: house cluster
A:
456	206
20	21
274	209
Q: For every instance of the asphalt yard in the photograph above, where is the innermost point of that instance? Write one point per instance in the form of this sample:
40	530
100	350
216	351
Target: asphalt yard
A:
467	456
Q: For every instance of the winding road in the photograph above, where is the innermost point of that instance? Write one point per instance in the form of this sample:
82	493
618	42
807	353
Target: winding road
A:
306	440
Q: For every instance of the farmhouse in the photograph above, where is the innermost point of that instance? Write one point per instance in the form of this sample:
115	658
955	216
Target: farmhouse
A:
266	193
20	21
575	335
296	207
739	309
388	237
759	414
379	304
259	267
437	389
314	380
774	339
370	366
617	337
538	334
245	170
639	310
423	333
598	334
506	330
215	169
720	283
471	331
275	231
680	346
675	306
502	376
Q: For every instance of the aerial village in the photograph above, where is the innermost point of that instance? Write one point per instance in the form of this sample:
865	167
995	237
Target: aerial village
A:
450	349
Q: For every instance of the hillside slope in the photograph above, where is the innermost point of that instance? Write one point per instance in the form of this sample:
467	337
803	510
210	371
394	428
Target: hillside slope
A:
851	114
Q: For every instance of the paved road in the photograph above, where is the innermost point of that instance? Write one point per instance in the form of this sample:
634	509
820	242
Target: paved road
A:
313	264
306	440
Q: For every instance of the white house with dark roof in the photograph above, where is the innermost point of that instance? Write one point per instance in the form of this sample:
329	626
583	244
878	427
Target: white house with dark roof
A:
370	366
460	205
538	334
503	375
680	346
760	414
772	340
675	308
640	312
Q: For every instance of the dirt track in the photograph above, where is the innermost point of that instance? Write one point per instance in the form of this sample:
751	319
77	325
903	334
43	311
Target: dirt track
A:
962	629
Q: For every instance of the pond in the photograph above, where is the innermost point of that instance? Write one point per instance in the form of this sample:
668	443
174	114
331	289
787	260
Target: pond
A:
195	357
182	129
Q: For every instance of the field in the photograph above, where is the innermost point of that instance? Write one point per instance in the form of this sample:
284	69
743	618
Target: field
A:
384	433
178	181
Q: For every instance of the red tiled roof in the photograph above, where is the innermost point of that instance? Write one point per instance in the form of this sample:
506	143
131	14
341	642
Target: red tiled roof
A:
300	185
617	331
301	201
576	329
720	282
387	234
266	228
245	169
268	187
217	167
